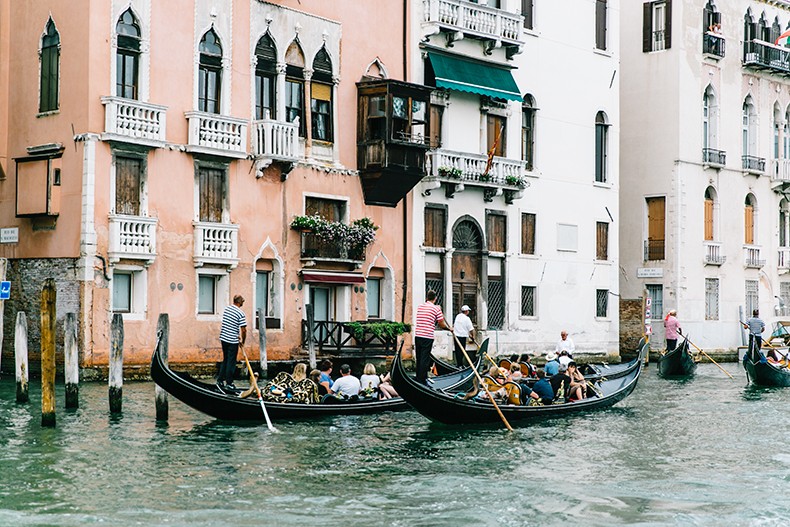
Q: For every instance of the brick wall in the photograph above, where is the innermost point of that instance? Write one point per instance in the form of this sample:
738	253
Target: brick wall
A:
27	279
631	324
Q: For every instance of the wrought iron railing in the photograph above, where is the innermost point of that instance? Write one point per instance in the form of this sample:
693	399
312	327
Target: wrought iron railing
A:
711	156
654	250
713	44
334	337
315	247
761	54
754	164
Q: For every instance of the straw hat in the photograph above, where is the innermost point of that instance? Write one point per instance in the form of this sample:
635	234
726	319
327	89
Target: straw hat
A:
550	356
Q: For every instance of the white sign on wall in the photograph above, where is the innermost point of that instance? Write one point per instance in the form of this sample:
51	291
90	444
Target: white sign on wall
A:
9	235
649	272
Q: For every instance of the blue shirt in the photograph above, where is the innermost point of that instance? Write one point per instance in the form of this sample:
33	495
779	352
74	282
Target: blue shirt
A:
552	368
325	378
544	390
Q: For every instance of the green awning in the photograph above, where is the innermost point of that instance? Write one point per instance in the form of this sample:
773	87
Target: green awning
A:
474	77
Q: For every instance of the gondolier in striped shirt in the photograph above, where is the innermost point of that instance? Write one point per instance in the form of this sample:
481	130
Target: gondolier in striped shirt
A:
232	332
428	316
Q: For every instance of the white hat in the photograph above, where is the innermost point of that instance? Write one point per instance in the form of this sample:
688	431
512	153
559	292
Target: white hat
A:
550	356
465	308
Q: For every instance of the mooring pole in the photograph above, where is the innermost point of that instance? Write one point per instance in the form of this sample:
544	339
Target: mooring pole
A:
116	363
48	316
20	357
3	268
310	331
262	344
162	334
71	362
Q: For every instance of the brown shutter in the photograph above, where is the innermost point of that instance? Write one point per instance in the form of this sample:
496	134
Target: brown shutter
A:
436	126
602	241
527	233
647	27
709	219
496	129
128	172
748	224
656	227
600	24
668	25
434	227
496	233
211	182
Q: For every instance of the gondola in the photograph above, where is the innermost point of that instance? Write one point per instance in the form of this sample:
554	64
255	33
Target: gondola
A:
444	406
761	372
677	363
443	367
207	398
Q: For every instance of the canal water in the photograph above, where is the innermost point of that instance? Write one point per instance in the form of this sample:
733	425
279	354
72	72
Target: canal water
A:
708	451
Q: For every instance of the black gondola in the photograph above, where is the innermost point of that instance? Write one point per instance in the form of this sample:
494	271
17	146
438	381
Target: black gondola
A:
207	398
677	363
444	406
761	372
443	367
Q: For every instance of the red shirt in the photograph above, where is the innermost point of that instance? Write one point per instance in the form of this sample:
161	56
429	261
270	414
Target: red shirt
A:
428	314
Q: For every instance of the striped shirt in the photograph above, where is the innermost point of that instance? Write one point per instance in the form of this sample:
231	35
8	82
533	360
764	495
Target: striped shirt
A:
428	314
232	320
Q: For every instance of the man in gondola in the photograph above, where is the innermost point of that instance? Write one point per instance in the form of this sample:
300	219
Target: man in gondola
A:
672	326
428	316
232	333
756	327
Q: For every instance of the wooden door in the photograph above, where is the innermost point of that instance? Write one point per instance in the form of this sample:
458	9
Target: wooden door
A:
212	194
128	175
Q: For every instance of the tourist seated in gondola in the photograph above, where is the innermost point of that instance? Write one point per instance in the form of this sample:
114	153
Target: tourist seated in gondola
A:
564	358
773	356
515	374
386	390
542	390
326	371
346	385
560	383
315	376
552	364
525	361
300	372
499	387
369	382
578	384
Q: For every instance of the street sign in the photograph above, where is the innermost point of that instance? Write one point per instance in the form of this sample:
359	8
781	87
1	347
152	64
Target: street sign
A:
9	235
5	290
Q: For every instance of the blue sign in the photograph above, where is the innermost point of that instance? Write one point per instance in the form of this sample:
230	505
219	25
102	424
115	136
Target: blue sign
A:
5	290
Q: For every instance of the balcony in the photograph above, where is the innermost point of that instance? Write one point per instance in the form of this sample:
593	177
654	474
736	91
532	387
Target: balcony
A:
714	158
216	243
218	135
753	165
713	45
460	170
762	55
134	121
461	18
133	238
275	141
654	250
336	337
752	257
713	253
317	249
780	175
783	261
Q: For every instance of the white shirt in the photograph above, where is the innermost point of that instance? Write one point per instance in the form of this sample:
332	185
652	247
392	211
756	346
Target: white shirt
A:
369	381
566	345
463	325
347	385
564	360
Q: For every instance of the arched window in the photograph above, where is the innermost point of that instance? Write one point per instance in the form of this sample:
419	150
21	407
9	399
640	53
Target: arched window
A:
776	30
710	210
776	128
710	119
601	148
265	78
210	73
749	128
786	135
321	97
784	223
528	109
127	57
50	69
763	30
749	34
749	216
294	86
712	42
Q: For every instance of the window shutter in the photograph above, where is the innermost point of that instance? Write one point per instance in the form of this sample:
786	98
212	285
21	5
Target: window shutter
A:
748	225
527	233
211	190
496	232
526	10
709	219
600	24
647	27
602	241
127	186
668	25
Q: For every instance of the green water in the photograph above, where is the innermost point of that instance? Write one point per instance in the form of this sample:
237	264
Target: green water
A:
709	451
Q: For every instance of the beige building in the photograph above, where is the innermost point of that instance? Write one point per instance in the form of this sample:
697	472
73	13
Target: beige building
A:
154	154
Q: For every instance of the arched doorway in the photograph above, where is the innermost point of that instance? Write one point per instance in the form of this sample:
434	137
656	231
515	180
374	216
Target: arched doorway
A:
466	280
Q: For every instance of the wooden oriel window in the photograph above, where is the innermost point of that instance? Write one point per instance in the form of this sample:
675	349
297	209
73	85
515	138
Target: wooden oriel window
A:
496	232
50	69
435	226
211	182
128	185
496	126
601	240
527	233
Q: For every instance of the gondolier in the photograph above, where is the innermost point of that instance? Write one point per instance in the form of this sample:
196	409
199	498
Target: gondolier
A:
428	316
756	327
232	333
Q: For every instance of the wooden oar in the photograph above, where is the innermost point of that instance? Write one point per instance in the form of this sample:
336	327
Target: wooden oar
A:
708	356
480	380
254	384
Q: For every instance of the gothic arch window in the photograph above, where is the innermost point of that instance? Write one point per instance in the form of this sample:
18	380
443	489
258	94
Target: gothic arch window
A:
750	219
50	69
710	214
601	148
528	110
265	78
127	56
321	97
294	86
210	73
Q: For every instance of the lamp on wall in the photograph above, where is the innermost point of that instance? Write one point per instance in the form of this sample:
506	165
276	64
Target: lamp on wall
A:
463	274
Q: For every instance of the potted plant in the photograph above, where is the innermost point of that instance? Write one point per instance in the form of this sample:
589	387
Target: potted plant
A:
450	172
516	181
307	223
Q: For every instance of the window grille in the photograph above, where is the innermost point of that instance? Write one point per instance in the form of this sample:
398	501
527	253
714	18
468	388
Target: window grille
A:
752	296
711	299
655	293
496	304
601	303
528	301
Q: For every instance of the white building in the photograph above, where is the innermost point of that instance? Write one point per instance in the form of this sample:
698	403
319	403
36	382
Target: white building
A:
526	237
706	162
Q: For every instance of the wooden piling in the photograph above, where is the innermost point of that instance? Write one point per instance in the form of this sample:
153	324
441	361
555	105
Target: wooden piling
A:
116	363
310	331
20	357
48	317
71	362
262	344
163	334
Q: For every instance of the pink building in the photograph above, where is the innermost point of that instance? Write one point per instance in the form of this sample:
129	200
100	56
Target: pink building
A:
153	156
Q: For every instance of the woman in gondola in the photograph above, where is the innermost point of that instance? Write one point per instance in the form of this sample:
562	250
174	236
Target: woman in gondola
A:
578	388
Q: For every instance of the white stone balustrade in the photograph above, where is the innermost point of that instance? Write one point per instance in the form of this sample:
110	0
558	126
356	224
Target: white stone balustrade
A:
780	170
217	134
134	121
216	243
503	172
474	19
713	254
277	140
132	237
752	256
783	261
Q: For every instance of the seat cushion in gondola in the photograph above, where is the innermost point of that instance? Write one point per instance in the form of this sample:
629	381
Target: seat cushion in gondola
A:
284	389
